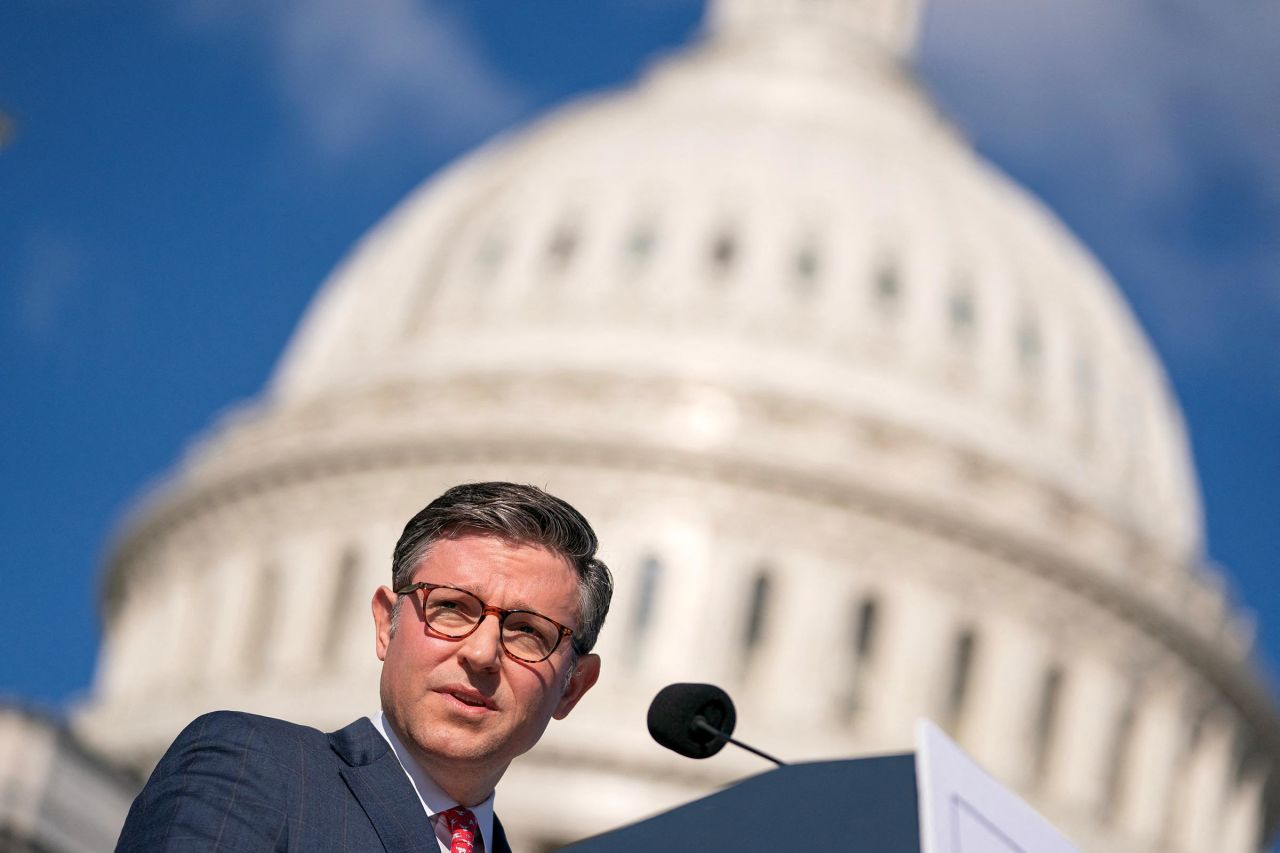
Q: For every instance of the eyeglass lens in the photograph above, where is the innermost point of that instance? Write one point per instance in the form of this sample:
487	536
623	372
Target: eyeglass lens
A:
455	613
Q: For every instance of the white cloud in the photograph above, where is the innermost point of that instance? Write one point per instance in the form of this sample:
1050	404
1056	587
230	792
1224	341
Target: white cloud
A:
1145	104
1153	107
48	277
1053	76
357	72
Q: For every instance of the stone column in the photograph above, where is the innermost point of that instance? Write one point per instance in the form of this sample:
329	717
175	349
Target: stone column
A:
235	577
1004	697
799	662
916	640
308	571
1204	781
1092	705
1153	751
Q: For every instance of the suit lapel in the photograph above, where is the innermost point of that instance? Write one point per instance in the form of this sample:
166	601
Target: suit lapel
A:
500	844
380	785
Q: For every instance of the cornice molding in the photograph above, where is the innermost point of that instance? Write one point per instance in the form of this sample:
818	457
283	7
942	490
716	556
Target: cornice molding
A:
1228	675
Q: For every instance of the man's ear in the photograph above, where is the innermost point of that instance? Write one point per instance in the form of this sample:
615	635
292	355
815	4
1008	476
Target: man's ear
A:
583	675
384	605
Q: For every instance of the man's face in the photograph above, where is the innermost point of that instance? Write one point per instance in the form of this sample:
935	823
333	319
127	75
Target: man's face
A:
464	703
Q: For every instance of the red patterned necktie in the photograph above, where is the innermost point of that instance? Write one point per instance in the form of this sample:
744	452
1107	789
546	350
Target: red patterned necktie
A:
464	832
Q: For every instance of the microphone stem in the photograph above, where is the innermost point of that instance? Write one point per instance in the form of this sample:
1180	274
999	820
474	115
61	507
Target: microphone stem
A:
700	722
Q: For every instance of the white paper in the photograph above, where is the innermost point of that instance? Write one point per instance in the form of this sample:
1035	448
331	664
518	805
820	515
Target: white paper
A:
964	810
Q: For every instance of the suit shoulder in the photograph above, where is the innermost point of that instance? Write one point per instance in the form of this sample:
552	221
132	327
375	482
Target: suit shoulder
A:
230	781
249	731
244	721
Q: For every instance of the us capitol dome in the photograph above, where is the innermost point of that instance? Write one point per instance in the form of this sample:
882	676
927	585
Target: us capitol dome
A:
867	435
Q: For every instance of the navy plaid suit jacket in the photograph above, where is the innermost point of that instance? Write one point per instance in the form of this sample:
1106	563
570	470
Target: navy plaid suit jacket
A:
240	782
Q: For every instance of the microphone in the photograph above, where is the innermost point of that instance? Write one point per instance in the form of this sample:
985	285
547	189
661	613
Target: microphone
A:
696	720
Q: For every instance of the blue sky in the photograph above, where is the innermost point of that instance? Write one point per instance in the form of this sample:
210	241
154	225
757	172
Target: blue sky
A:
180	177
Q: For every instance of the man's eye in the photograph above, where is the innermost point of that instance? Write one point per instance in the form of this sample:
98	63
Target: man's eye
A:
449	608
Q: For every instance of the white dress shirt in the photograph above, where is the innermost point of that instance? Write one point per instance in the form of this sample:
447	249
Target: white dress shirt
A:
433	799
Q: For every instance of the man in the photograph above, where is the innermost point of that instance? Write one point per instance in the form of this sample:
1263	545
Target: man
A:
484	636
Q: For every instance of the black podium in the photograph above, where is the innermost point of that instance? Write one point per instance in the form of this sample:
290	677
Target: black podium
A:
867	804
936	799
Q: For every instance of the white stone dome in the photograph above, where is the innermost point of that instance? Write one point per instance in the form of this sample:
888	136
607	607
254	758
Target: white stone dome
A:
778	215
824	381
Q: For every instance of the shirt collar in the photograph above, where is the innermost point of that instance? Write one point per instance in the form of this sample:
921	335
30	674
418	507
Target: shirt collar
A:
433	799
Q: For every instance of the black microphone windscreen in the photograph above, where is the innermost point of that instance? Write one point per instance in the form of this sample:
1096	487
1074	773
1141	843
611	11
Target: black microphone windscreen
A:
675	710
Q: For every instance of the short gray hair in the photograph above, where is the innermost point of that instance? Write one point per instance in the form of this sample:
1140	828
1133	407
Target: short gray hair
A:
520	515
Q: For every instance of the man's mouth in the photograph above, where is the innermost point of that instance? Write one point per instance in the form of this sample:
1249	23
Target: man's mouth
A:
468	698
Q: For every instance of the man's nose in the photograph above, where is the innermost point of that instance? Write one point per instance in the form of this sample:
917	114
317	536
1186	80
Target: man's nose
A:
482	650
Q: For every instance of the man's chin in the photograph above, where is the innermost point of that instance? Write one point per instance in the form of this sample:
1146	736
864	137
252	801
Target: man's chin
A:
460	738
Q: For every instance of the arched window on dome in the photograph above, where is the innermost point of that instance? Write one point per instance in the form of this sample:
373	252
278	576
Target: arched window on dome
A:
344	606
964	649
642	616
757	616
724	251
887	287
563	245
1086	388
1029	345
490	254
263	615
864	628
962	310
1046	723
806	269
640	245
1131	421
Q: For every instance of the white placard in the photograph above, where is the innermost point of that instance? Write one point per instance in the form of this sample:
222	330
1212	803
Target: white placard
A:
964	810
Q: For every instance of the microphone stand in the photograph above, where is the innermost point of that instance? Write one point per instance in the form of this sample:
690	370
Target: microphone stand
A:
700	723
